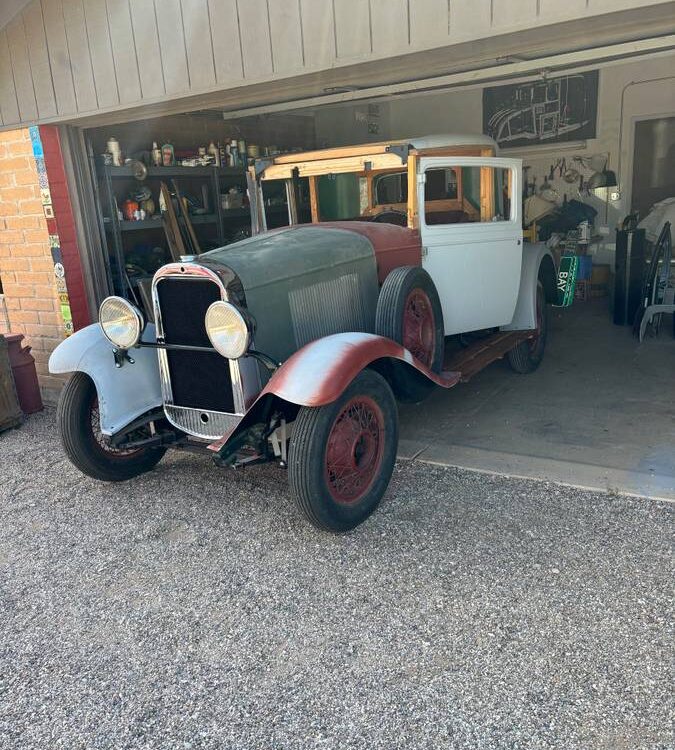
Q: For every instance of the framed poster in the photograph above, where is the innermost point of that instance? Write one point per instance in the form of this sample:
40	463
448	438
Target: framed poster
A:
553	110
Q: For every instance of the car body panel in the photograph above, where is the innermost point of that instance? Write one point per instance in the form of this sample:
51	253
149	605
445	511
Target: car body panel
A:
318	373
124	393
525	313
474	265
394	246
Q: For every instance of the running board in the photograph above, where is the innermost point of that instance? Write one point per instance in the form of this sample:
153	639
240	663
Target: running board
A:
479	355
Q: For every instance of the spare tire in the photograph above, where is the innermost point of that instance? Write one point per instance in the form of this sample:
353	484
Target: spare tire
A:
409	312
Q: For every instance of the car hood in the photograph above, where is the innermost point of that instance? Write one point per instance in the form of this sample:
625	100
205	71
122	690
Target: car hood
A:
289	253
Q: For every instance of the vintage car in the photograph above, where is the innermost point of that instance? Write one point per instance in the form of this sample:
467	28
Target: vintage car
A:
292	345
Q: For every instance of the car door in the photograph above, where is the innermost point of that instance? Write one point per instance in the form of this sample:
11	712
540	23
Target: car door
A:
472	238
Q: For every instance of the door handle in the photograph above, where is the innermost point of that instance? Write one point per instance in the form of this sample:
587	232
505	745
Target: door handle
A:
518	242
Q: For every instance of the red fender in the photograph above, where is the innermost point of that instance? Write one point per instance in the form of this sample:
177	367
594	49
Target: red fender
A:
319	372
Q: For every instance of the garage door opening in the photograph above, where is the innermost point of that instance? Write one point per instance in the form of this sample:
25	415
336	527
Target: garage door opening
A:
581	418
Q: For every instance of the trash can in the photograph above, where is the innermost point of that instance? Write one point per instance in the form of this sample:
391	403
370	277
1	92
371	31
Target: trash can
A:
25	375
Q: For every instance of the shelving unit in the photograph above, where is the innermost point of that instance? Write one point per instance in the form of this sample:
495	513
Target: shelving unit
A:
214	228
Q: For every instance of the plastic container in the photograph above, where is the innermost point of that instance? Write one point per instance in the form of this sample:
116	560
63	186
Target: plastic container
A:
25	375
585	267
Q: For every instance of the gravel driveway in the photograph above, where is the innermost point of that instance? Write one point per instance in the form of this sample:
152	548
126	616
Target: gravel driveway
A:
194	608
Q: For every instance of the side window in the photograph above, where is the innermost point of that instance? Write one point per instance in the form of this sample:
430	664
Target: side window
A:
391	188
465	195
275	201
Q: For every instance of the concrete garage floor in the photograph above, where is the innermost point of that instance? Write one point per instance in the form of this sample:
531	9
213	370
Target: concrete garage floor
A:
598	413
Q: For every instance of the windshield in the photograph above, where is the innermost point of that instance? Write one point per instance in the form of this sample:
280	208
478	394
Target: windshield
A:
342	196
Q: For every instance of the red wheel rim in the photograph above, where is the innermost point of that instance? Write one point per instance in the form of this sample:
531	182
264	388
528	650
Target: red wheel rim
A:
419	329
354	450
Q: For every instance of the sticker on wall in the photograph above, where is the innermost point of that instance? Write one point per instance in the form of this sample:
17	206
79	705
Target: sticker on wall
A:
46	196
36	142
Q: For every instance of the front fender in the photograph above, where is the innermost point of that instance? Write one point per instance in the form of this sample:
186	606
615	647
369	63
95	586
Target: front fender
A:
318	373
536	257
124	393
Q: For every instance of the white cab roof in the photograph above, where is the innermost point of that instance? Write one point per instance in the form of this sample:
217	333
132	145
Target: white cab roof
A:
449	139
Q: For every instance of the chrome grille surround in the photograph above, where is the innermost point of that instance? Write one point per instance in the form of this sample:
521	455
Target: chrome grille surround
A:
207	425
200	423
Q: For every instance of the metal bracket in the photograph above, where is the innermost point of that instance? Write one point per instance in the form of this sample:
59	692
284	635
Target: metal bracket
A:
121	356
401	150
268	362
279	440
261	165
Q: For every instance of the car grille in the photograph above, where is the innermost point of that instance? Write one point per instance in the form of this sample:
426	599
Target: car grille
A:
199	380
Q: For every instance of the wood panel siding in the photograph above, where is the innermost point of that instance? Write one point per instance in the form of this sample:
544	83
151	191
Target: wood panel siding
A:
390	29
23	80
9	107
197	30
318	33
286	32
59	58
226	41
62	59
100	44
353	29
124	51
429	21
80	56
38	56
256	44
172	45
146	36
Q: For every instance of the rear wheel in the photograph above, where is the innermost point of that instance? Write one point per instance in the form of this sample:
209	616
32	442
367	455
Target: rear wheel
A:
527	356
409	312
341	455
78	421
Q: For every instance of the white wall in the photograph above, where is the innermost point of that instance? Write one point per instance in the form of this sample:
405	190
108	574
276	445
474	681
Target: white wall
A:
461	111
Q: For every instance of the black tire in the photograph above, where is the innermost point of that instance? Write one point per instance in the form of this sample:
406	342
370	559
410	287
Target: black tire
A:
325	436
527	356
83	444
390	320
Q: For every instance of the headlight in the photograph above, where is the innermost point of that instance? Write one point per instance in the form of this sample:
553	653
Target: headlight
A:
121	322
227	330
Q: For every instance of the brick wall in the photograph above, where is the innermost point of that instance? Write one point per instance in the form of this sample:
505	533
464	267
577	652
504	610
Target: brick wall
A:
26	264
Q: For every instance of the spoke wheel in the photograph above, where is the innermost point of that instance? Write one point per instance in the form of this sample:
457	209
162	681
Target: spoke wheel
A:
354	450
409	312
341	455
79	423
419	328
99	439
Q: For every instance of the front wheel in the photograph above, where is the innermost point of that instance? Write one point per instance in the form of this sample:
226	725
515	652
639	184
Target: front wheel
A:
341	455
527	356
78	421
